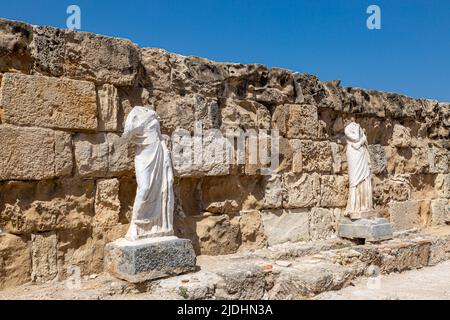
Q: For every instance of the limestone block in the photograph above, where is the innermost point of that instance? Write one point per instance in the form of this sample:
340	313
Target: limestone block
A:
273	193
91	154
107	203
14	46
297	161
282	225
401	136
336	152
396	188
108	108
15	262
357	100
48	50
100	59
169	109
121	156
252	230
199	75
285	156
47	205
322	223
303	190
79	253
405	215
440	211
302	121
217	235
48	102
334	191
148	259
63	153
231	194
378	160
316	156
438	160
208	154
44	257
244	114
157	66
279	88
442	185
34	153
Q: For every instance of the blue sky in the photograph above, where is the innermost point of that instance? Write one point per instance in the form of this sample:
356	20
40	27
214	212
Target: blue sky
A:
329	38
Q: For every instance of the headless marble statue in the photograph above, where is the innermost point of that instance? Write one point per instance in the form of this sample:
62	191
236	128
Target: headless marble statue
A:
360	184
153	206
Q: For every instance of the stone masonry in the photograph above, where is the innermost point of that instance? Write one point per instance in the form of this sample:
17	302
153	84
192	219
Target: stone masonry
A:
67	181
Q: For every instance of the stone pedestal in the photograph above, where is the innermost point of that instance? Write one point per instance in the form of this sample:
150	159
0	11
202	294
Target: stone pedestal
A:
148	259
372	230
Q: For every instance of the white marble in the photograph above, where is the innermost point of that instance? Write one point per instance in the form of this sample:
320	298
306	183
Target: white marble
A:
153	206
360	184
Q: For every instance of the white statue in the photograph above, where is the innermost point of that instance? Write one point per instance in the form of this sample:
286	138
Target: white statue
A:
153	206
360	184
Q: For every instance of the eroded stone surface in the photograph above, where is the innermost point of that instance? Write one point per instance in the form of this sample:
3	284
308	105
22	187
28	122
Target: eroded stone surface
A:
48	102
34	153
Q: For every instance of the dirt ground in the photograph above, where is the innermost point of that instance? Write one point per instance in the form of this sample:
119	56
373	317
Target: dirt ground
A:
422	284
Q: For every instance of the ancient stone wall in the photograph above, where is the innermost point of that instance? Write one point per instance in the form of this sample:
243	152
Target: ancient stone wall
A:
67	182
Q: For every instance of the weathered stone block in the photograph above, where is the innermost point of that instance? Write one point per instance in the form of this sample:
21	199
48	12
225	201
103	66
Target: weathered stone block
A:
108	108
438	160
14	46
217	235
47	205
440	211
48	50
100	59
303	190
297	162
107	203
401	136
121	156
48	102
378	160
34	153
302	121
156	63
44	257
91	154
336	153
405	215
273	193
334	191
15	262
286	225
201	155
322	223
148	259
252	230
316	156
442	185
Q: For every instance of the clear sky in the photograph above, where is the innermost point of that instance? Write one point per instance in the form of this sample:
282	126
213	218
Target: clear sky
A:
329	38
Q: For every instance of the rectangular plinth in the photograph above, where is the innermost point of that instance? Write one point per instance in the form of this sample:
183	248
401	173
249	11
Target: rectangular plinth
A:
377	229
148	259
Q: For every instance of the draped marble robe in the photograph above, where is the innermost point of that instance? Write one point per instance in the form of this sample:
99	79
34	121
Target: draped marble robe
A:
360	184
153	206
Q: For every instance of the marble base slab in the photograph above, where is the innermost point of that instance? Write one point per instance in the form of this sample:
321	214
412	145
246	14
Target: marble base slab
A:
372	230
147	259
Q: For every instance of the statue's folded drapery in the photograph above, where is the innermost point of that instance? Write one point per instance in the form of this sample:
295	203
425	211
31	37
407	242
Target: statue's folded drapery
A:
360	185
153	206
